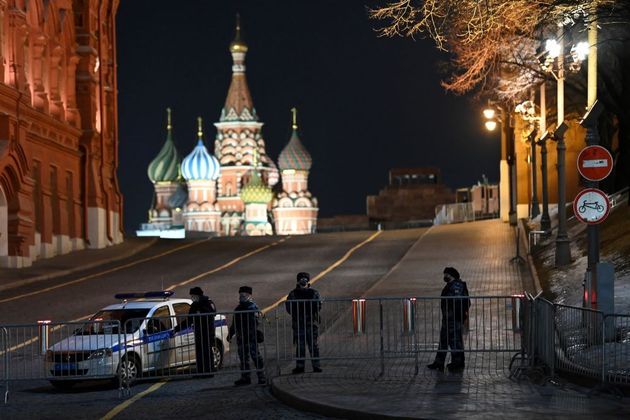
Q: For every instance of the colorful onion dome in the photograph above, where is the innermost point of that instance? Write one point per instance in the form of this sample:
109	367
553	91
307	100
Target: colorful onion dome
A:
165	166
255	191
294	155
200	164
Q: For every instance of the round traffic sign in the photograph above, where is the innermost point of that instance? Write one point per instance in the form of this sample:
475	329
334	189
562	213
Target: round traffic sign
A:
595	163
591	206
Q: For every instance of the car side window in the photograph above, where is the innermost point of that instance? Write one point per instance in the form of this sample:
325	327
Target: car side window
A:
181	312
160	321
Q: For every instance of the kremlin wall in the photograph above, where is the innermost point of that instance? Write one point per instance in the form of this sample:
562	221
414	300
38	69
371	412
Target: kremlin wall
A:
236	191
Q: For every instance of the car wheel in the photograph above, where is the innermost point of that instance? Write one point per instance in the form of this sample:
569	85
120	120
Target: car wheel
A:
63	385
217	354
129	369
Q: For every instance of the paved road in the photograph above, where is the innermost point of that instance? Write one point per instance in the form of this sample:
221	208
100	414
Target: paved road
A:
270	271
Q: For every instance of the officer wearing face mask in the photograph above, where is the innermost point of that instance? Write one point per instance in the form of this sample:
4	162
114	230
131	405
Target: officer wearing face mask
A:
454	307
304	304
245	326
201	316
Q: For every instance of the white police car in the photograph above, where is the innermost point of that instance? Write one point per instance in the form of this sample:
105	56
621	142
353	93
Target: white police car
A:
152	337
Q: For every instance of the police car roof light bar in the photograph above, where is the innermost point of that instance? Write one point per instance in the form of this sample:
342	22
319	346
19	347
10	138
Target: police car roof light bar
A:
161	294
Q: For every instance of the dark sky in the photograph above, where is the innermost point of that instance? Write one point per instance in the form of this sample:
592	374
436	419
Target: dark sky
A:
365	104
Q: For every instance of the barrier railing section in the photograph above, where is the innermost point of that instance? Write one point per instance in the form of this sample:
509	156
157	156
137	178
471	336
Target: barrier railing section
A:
454	213
4	365
579	340
616	351
61	352
192	345
395	328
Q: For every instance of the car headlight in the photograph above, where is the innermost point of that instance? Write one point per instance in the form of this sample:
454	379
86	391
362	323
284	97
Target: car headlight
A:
100	354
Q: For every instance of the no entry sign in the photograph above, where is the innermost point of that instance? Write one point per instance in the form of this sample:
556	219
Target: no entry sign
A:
591	206
595	163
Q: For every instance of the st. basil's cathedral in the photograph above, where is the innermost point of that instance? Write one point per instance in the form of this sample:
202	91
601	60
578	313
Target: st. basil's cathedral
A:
237	190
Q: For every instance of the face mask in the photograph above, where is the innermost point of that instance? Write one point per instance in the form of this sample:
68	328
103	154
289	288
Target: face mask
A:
244	298
447	279
195	298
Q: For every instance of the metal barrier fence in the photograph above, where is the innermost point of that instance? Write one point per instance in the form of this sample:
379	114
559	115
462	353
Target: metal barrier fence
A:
397	333
185	345
578	341
454	213
616	351
399	328
61	353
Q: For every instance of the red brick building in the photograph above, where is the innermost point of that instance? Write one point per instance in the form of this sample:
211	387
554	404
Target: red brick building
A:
58	128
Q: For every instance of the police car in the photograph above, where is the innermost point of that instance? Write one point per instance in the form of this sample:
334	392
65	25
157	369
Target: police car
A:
133	338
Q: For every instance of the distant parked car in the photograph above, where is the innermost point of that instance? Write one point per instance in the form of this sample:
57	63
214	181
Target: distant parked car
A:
153	336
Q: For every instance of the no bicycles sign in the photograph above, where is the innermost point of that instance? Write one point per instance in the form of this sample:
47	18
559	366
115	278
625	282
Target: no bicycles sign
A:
591	206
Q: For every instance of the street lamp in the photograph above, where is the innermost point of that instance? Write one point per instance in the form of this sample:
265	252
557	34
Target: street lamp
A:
554	53
527	110
507	140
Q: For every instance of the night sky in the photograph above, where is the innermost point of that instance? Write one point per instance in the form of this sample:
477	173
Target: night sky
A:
365	104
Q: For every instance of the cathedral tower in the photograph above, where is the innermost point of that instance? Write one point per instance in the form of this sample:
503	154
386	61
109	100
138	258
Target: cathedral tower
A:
163	172
295	209
238	140
201	171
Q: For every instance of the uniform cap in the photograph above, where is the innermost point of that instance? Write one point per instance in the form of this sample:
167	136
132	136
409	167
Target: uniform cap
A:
451	271
245	289
196	291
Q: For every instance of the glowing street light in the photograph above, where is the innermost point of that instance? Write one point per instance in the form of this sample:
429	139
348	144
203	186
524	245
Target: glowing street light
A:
489	114
507	138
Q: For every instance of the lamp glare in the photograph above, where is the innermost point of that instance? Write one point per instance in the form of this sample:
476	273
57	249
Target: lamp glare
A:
553	48
488	113
581	49
491	125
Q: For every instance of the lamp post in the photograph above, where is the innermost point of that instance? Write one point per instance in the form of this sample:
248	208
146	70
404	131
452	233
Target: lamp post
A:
507	140
535	210
545	220
554	50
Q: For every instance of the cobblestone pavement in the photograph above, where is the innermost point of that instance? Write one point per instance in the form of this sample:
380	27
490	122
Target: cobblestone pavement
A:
482	253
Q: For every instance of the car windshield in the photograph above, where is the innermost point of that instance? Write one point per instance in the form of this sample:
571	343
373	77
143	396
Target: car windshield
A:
104	322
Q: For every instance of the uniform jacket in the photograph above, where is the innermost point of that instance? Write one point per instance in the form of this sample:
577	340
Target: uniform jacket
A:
455	309
244	325
204	325
304	304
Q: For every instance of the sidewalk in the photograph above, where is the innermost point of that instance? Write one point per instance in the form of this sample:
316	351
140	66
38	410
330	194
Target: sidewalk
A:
481	251
62	265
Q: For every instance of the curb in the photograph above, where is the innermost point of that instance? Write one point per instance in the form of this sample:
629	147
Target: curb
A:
61	273
305	404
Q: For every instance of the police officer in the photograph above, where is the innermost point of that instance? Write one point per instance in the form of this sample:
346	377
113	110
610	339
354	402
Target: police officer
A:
245	327
201	316
304	304
454	309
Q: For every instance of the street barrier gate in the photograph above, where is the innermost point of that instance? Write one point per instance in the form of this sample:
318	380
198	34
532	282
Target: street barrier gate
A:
399	334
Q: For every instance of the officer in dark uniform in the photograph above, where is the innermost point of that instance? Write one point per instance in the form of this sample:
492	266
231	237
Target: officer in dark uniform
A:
454	313
201	316
245	326
304	304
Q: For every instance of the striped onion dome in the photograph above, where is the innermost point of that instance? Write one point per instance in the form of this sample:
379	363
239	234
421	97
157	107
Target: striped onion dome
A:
200	164
165	166
255	191
294	155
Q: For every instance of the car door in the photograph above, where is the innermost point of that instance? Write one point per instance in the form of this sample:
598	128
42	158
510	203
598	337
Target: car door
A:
157	337
184	339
